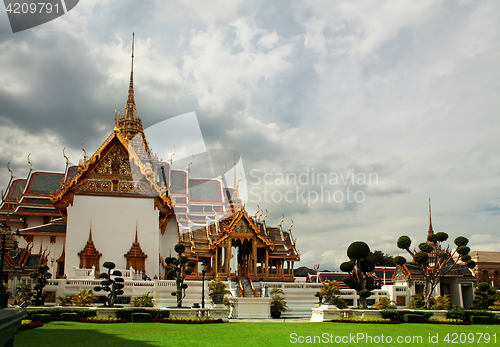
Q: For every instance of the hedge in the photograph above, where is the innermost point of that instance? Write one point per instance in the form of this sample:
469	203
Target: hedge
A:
413	318
399	314
481	320
56	312
126	313
138	317
41	317
69	316
465	315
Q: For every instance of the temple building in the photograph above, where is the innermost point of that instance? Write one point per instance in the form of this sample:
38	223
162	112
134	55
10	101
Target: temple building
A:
124	204
458	282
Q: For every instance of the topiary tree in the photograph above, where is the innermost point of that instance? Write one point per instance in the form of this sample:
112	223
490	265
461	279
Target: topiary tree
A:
41	275
435	262
358	268
484	296
180	267
114	286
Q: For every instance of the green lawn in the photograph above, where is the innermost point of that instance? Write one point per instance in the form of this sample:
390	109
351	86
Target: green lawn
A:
246	334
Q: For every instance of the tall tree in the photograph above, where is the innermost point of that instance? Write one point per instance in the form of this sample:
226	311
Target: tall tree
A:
180	267
434	261
41	275
382	259
113	285
358	268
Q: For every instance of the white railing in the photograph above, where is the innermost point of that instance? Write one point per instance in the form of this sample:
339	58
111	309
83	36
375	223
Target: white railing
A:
128	275
83	273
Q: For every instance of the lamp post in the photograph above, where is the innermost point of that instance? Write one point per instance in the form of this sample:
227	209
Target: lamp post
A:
203	270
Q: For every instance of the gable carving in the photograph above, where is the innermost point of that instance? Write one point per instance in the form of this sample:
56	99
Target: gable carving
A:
242	227
116	162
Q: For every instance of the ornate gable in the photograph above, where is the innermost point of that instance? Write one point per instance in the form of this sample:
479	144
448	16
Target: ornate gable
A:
240	223
115	163
115	169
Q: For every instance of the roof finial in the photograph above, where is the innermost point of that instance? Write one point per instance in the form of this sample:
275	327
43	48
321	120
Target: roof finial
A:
282	219
11	172
430	232
64	154
29	162
84	153
172	157
189	165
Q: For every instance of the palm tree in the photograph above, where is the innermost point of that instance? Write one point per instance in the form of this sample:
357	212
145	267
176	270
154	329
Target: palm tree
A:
65	300
24	293
84	298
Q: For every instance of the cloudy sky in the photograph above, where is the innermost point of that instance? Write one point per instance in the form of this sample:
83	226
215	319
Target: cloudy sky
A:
401	96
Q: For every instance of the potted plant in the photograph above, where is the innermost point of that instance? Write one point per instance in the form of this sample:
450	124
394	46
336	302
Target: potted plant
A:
278	303
217	290
329	291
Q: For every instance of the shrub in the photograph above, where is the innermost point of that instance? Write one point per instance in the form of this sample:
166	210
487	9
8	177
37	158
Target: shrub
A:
392	314
413	318
32	325
399	314
56	312
496	306
126	313
442	303
339	302
42	317
139	317
84	298
69	316
384	303
103	320
278	304
418	301
24	293
216	286
64	300
145	300
481	320
456	313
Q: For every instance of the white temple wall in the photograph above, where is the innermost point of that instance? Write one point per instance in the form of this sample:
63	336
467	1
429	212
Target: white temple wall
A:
114	221
169	239
56	250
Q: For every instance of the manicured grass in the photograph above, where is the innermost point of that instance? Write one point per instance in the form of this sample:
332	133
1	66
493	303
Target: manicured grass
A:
75	334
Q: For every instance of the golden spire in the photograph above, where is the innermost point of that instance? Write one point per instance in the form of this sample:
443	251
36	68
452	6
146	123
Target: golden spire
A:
430	232
130	124
130	111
